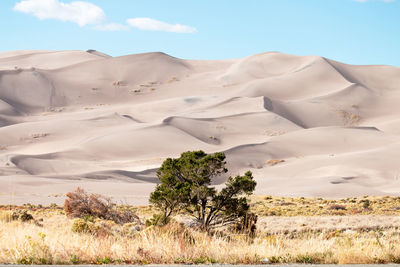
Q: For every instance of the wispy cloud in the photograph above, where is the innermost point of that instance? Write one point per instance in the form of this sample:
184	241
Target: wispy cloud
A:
149	24
112	27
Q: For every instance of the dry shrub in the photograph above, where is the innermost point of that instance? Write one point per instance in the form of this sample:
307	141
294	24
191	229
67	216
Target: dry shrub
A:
98	228
274	162
79	204
337	207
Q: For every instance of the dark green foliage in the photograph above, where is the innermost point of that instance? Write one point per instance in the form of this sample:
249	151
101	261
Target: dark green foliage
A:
22	216
74	259
186	186
366	203
158	220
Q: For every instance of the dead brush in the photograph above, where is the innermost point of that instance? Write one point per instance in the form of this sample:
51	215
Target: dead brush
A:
79	204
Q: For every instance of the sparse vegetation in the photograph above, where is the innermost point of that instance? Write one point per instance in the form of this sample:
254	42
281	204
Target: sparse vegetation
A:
39	135
300	206
58	241
173	79
118	83
349	118
93	230
273	162
213	138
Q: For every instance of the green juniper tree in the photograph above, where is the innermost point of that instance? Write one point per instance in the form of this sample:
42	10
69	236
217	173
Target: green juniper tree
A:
186	186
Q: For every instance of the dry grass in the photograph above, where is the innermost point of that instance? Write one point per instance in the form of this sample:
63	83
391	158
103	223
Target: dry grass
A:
173	79
328	224
55	242
349	238
300	206
349	119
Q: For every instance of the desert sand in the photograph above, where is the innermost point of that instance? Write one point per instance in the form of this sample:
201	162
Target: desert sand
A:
304	125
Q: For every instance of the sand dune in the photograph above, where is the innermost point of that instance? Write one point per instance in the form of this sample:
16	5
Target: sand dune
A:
45	59
305	126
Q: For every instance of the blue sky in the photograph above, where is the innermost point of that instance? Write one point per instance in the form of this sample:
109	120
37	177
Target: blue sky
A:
354	32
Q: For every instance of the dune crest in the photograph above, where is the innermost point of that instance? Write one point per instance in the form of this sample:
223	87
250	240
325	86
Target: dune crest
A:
305	125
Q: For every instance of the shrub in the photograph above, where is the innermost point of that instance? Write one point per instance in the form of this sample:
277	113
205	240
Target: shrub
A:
366	203
79	204
25	216
158	220
337	207
85	226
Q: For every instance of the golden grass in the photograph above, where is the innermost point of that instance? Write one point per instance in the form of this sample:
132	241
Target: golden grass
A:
349	119
56	243
369	237
300	206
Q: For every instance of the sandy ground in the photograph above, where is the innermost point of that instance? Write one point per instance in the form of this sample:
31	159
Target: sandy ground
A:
76	118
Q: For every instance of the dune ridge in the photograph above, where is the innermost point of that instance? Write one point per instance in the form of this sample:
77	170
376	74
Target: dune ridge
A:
305	125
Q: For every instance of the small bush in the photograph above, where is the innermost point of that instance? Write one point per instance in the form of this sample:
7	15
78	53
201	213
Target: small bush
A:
105	260
74	259
366	203
81	226
89	227
25	216
337	207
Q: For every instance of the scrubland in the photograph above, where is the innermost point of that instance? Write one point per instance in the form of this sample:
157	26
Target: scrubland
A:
309	230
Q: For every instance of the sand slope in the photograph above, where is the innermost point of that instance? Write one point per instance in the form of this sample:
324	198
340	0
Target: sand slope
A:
306	126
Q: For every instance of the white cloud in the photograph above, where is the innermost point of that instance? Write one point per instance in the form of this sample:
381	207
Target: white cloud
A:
112	27
81	13
149	24
86	13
